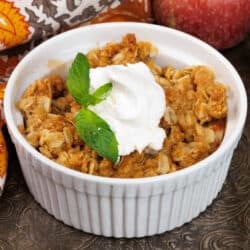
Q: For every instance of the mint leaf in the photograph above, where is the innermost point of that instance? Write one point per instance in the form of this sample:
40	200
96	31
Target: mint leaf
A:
78	81
101	93
96	133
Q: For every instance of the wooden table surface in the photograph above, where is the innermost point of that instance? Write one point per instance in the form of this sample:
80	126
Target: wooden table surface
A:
224	225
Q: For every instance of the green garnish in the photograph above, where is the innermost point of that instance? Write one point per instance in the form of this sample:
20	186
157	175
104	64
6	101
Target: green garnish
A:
101	93
78	81
93	130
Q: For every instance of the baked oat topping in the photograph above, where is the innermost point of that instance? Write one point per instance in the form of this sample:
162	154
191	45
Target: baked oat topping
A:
194	119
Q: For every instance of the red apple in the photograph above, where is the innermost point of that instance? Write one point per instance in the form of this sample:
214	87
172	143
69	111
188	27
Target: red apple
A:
221	23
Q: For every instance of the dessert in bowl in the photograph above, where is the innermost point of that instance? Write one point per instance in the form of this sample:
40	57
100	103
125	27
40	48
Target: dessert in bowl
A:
108	204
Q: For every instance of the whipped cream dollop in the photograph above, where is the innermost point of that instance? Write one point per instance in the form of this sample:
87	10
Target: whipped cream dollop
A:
133	108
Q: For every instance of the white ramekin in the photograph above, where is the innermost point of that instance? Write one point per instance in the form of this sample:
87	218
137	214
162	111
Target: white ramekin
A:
124	207
2	182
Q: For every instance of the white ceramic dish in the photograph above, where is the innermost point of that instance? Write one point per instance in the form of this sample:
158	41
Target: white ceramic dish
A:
2	182
124	207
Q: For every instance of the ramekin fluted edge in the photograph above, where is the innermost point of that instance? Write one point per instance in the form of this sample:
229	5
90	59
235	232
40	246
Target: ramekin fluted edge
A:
130	210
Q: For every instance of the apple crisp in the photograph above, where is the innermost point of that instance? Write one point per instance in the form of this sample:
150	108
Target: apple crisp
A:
194	118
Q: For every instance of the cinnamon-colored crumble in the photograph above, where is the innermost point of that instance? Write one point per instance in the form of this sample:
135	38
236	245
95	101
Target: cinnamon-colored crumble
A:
194	119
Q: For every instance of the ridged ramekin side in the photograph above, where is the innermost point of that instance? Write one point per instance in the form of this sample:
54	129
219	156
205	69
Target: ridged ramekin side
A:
126	210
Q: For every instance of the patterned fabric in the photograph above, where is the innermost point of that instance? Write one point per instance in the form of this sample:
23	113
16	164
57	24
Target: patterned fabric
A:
33	20
21	20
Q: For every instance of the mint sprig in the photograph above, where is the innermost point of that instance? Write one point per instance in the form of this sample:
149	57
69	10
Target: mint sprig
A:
93	130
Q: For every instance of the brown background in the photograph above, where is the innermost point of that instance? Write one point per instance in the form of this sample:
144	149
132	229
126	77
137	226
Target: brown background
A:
224	225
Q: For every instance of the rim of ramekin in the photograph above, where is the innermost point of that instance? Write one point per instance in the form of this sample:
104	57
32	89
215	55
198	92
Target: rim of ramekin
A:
224	147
